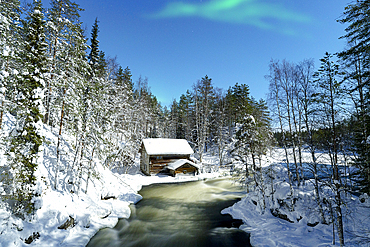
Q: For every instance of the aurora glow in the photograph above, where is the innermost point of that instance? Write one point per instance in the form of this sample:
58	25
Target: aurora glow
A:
258	13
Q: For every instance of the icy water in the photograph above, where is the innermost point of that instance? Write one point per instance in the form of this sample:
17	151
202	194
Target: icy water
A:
184	214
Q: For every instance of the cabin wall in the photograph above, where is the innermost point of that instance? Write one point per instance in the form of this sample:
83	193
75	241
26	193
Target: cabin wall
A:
144	161
158	163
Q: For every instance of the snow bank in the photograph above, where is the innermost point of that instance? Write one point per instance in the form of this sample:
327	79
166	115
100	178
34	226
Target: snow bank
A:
164	146
268	230
89	212
298	225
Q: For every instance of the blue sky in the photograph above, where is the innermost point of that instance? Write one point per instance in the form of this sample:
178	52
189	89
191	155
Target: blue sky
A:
177	42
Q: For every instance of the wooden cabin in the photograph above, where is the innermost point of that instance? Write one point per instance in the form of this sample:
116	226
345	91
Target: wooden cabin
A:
182	166
168	156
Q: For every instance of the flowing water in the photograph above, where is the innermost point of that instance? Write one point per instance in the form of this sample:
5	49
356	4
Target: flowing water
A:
184	214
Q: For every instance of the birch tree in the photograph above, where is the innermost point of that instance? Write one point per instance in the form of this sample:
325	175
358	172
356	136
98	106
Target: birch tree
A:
306	70
275	99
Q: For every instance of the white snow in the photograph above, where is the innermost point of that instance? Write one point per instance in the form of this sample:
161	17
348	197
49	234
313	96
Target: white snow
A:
5	73
180	162
268	230
91	213
250	118
163	146
6	51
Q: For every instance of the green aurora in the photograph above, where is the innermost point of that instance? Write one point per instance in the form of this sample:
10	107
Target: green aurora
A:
258	13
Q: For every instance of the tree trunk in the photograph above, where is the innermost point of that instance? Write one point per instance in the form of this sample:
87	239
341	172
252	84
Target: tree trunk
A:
80	167
89	172
1	114
58	144
282	132
289	110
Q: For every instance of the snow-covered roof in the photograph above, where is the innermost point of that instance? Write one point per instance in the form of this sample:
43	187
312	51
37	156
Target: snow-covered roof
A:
178	163
163	146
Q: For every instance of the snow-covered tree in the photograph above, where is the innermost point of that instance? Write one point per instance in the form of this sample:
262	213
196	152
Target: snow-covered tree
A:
220	133
356	58
10	43
203	99
276	96
185	116
329	98
25	140
67	65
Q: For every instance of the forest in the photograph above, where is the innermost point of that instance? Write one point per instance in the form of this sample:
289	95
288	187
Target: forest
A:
53	75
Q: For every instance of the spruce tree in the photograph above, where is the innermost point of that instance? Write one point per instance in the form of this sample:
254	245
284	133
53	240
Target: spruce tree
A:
94	55
96	113
219	126
122	154
10	43
185	117
26	139
238	103
357	61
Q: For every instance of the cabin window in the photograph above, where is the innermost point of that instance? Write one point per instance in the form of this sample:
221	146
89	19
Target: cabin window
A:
159	157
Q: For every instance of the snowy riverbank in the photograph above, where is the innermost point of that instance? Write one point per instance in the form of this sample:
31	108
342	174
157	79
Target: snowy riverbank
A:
301	226
268	230
109	195
106	200
89	211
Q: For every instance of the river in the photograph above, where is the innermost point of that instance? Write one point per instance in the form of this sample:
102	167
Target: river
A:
183	214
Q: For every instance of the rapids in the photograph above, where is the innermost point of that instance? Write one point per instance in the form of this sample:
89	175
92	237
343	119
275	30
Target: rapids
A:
183	214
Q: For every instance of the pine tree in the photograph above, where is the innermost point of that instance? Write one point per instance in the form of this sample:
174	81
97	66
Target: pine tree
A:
62	28
26	140
67	66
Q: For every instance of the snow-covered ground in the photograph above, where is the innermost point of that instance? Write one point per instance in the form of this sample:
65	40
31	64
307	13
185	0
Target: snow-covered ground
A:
268	230
91	213
88	210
